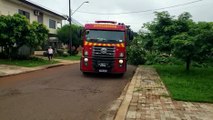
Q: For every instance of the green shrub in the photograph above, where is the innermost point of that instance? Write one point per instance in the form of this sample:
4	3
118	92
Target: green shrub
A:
161	58
60	52
136	55
65	54
19	37
73	52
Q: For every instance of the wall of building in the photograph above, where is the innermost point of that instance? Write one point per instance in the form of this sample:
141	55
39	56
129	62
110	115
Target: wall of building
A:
10	8
46	22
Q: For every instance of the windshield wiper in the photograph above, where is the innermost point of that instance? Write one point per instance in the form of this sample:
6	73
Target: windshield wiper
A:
103	40
92	40
112	41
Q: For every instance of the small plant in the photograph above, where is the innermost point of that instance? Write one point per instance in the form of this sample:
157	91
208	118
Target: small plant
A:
60	52
65	54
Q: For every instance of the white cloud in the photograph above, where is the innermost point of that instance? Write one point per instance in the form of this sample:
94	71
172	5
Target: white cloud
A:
201	11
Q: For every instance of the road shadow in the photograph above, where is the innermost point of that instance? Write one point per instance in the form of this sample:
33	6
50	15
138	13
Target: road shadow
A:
110	76
103	75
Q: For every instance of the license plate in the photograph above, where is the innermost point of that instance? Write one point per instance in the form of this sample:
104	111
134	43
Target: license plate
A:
103	71
102	65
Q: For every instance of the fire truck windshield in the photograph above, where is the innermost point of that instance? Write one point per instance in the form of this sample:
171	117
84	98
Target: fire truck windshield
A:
105	36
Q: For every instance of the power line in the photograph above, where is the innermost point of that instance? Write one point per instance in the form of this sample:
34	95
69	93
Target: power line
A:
143	11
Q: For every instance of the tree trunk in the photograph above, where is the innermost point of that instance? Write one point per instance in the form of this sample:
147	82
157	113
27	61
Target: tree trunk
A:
188	62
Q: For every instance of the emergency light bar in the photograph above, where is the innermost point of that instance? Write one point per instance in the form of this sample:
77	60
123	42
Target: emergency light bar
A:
112	22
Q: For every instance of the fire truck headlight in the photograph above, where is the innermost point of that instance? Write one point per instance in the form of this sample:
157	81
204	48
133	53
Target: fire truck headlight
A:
86	53
86	59
121	55
121	61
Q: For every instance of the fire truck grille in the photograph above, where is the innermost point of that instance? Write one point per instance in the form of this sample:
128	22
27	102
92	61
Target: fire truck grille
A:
103	57
103	52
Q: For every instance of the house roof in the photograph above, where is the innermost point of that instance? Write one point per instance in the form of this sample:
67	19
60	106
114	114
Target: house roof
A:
27	2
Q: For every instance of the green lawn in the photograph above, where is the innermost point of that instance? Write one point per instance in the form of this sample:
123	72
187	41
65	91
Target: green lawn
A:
75	57
32	62
195	85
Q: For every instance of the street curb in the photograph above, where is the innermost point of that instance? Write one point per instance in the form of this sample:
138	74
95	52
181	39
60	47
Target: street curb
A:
122	111
40	68
111	112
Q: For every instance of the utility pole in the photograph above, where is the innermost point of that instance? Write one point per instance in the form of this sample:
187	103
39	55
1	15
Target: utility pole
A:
70	30
70	22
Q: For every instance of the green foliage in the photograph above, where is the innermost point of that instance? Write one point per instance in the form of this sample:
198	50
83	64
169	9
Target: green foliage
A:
184	47
64	36
13	31
38	35
160	58
65	54
180	37
16	31
60	52
147	41
161	30
204	40
136	54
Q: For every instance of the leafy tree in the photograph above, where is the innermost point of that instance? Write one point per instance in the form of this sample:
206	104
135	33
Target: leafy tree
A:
180	37
184	43
147	42
16	31
196	44
64	37
184	48
136	54
161	30
204	39
38	35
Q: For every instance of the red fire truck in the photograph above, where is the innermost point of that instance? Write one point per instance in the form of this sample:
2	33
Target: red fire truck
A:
104	47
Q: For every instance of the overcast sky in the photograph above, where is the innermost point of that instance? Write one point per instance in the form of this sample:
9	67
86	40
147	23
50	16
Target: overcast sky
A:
201	10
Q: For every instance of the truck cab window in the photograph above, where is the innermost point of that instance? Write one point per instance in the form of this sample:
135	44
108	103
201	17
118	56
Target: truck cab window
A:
105	36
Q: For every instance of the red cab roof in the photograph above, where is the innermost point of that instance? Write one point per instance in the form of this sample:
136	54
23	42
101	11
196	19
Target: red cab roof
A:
105	25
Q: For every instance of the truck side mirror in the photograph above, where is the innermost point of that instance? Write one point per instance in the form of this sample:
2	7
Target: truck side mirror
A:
80	31
130	34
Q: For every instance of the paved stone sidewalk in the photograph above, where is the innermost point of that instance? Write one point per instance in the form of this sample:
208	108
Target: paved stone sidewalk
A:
150	100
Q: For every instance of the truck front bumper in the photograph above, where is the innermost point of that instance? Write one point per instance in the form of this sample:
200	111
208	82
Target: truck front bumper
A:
103	65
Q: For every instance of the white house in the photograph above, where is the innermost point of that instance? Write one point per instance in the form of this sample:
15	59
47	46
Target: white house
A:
35	12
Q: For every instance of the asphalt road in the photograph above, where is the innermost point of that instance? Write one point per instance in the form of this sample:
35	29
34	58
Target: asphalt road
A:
60	93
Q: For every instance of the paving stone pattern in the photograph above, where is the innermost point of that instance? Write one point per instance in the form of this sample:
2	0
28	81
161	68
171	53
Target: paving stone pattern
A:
151	101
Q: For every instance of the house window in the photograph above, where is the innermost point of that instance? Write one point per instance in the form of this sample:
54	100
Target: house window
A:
52	24
25	13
